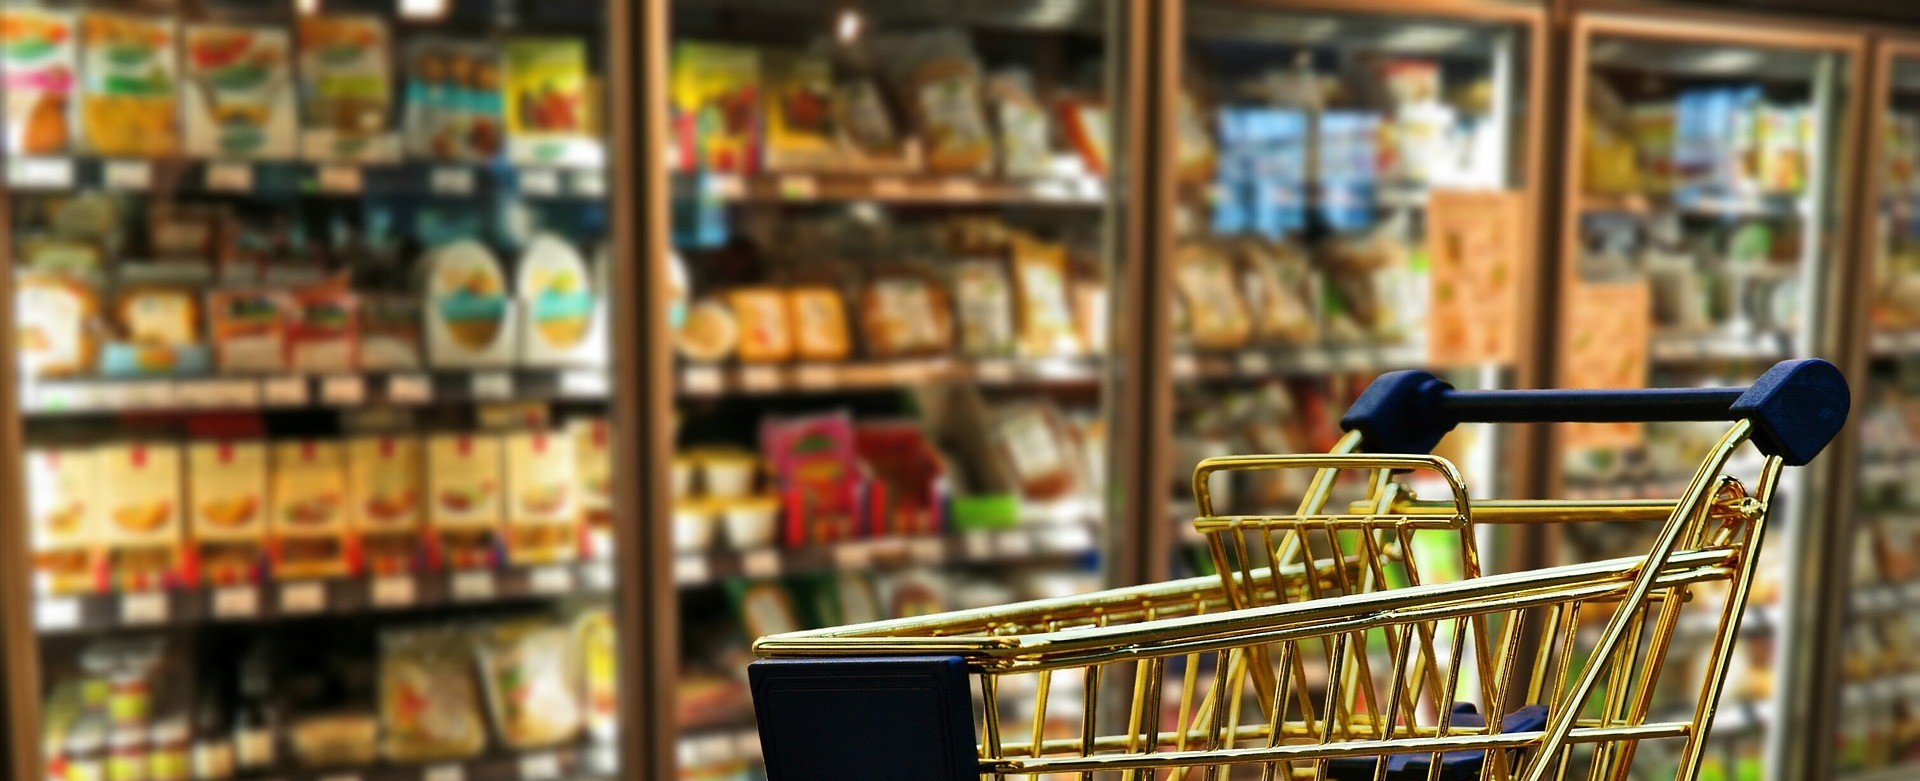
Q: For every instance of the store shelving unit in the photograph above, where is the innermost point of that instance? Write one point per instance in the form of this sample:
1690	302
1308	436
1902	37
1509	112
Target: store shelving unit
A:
1738	265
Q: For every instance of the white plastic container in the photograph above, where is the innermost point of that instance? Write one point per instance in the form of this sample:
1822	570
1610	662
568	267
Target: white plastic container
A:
752	523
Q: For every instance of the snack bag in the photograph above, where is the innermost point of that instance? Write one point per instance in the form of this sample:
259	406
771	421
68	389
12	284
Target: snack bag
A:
549	116
532	683
55	315
799	112
454	109
38	61
937	77
429	709
346	84
127	103
239	94
716	103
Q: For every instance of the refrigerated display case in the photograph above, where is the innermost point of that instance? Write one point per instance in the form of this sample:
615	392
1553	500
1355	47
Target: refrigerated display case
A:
894	245
1355	193
1703	237
1874	738
314	472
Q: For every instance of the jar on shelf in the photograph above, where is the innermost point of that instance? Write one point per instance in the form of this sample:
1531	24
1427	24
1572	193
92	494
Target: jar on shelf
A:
85	752
127	755
170	751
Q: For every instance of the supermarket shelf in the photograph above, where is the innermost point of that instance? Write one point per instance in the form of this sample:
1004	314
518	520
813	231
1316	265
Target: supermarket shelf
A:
1705	205
718	747
1297	361
1900	772
1072	191
705	380
584	762
1880	598
291	600
1894	344
1024	544
1881	471
1671	348
285	179
1628	489
54	398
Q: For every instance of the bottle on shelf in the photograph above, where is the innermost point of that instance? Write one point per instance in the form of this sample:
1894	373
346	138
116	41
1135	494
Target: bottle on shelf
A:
255	720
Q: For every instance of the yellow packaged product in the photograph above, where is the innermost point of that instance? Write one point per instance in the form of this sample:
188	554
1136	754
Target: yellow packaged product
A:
1218	319
429	706
63	512
593	463
464	481
766	327
384	482
127	102
905	313
140	486
598	643
227	484
532	683
819	324
309	487
1040	290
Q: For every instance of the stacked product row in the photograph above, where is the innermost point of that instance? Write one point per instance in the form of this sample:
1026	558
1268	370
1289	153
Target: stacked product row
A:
150	709
124	85
233	508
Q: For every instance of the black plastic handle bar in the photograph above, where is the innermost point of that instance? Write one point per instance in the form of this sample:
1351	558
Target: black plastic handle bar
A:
1797	407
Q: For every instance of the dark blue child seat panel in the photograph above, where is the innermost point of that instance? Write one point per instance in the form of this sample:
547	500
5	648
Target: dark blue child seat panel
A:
1462	765
876	719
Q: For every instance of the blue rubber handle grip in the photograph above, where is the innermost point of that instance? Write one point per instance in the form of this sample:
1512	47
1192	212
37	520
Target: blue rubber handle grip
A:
1797	407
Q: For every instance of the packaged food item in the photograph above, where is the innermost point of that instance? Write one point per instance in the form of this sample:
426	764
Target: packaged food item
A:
61	255
1045	320
227	484
1090	130
752	522
817	472
239	92
766	328
309	501
159	315
389	332
549	110
983	305
907	492
191	237
598	643
55	314
39	60
1090	313
346	88
869	139
127	100
1196	156
249	328
819	324
1217	317
799	112
559	305
429	708
1038	450
63	513
385	483
716	106
464	480
454	109
1022	124
938	78
469	318
533	683
904	312
1280	291
543	509
711	332
593	459
693	526
764	608
726	472
335	740
141	485
324	333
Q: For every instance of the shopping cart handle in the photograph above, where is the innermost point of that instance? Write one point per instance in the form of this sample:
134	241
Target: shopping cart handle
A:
1796	408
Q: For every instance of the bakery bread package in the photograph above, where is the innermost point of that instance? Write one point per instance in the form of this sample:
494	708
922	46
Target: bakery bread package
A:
1205	276
937	76
346	89
904	313
40	65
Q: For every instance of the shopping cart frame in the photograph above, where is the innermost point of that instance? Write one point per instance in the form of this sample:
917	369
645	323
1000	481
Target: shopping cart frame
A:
895	699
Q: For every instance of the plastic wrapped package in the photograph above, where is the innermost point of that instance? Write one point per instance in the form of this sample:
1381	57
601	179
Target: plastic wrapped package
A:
429	708
532	682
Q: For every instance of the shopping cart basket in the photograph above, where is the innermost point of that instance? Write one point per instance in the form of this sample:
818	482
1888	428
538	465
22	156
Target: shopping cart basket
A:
1349	639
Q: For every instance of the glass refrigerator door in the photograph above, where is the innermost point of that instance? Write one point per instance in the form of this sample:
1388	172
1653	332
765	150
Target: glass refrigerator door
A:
1353	199
312	314
890	236
1700	224
1880	695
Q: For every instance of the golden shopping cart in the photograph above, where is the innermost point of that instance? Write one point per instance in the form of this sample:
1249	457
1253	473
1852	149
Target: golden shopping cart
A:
1354	638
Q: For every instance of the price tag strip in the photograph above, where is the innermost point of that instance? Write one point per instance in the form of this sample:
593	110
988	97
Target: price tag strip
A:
691	570
303	598
394	591
347	390
492	386
550	580
473	585
55	614
762	563
144	608
544	766
409	389
452	181
236	602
